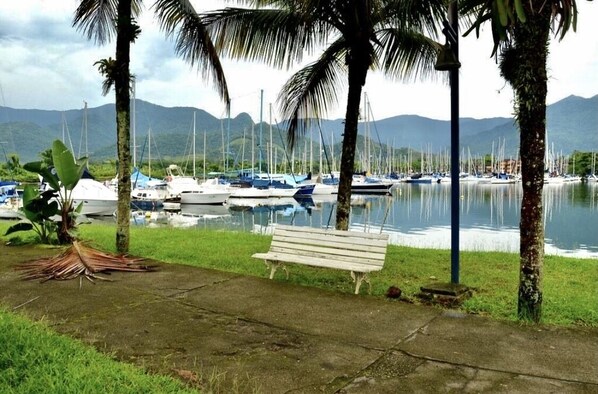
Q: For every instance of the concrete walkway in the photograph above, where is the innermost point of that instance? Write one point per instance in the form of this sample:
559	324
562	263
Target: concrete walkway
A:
273	337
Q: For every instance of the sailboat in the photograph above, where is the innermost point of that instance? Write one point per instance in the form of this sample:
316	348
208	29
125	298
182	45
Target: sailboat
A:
147	192
97	198
187	190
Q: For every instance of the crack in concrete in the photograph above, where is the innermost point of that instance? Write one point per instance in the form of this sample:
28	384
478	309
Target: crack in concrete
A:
210	284
498	370
386	352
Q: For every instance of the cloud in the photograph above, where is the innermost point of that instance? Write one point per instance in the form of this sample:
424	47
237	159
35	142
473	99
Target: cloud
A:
48	64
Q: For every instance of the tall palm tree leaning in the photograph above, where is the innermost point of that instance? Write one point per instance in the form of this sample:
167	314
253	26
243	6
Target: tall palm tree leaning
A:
100	20
521	32
354	36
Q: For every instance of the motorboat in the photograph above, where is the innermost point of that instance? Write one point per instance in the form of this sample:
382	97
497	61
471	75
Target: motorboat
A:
282	185
503	179
147	192
188	191
420	178
204	196
10	201
366	185
97	198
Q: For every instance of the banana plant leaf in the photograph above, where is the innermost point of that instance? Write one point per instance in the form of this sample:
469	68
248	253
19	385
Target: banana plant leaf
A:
20	226
42	169
68	170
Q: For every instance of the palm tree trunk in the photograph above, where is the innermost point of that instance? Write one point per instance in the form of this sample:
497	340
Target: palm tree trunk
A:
357	73
123	123
530	85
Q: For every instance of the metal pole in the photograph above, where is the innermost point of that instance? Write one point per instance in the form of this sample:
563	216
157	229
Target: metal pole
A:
261	126
455	195
227	142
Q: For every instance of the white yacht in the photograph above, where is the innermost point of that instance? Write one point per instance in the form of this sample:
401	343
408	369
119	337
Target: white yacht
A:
188	191
98	199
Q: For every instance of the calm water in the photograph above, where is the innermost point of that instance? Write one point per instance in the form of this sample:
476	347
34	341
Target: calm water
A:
419	215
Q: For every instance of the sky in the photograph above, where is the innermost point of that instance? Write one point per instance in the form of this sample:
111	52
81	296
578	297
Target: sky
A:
47	64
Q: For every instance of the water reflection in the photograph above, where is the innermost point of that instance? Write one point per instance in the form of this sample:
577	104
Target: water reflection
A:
417	215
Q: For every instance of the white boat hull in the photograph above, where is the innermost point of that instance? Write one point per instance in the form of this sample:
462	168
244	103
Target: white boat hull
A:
96	207
97	199
10	212
277	192
204	197
249	192
323	189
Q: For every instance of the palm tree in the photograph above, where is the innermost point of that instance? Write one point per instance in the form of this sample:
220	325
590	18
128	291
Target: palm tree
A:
102	19
354	36
14	163
521	31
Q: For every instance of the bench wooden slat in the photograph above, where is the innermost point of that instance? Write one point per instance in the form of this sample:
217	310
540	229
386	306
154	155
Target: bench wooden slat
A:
330	243
334	241
314	251
360	253
307	258
317	262
281	229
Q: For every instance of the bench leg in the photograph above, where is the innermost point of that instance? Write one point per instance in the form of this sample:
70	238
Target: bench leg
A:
273	266
359	277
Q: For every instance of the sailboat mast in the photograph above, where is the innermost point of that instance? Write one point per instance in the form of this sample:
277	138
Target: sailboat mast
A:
85	129
193	144
270	161
252	149
227	139
261	126
321	137
223	147
311	150
243	151
149	152
332	150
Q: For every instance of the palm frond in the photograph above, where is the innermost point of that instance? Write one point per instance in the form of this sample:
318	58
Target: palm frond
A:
277	37
312	90
107	67
504	16
407	55
97	18
564	15
193	41
81	261
423	16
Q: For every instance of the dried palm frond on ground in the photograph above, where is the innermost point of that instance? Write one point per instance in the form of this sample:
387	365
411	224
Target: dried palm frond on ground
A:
79	260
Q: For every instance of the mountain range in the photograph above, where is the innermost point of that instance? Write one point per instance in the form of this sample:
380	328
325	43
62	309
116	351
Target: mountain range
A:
571	125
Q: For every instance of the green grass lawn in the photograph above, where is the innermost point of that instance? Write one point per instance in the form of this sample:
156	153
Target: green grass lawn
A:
33	359
570	285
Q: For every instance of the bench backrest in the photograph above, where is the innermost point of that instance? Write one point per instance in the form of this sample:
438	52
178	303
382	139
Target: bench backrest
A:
348	246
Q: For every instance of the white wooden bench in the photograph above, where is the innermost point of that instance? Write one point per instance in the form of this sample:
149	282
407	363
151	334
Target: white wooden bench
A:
360	253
